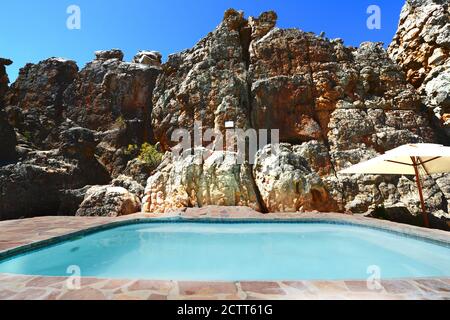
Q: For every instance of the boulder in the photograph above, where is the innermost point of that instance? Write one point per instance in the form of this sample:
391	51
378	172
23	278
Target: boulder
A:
200	179
129	184
108	201
70	200
287	183
109	54
139	170
150	58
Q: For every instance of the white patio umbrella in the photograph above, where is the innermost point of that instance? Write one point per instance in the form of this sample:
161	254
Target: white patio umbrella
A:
410	159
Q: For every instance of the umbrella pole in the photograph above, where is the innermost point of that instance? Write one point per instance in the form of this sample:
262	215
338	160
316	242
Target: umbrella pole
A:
419	186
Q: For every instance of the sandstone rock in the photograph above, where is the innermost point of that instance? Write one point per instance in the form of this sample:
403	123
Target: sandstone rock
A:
317	155
139	170
339	105
34	101
151	58
78	142
287	183
108	91
113	145
115	99
109	54
263	24
190	182
422	47
7	140
299	80
207	83
364	193
108	201
400	213
7	136
70	200
35	186
4	81
129	184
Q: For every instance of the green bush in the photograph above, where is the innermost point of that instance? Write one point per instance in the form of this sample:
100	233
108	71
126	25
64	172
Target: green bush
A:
132	150
150	155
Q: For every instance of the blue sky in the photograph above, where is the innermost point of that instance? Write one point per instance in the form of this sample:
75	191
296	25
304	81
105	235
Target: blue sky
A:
35	30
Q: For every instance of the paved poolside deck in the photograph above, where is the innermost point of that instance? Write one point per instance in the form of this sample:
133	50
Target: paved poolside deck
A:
30	232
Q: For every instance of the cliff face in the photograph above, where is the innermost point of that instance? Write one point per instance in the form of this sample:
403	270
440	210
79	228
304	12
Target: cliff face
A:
73	130
334	106
7	135
422	47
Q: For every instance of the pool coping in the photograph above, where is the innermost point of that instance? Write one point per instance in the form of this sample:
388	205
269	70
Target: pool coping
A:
16	286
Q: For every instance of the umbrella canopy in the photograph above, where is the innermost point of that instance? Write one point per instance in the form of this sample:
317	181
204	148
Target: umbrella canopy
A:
431	158
410	159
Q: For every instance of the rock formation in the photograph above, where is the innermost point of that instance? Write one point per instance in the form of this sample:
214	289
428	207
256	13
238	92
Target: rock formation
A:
422	47
34	102
113	97
207	83
287	183
335	105
192	182
75	136
108	201
73	129
7	135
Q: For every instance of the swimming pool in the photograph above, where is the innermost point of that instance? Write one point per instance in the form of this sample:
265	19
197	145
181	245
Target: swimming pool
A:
237	252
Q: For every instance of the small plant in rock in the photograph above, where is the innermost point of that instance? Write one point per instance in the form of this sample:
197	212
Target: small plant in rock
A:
150	155
132	150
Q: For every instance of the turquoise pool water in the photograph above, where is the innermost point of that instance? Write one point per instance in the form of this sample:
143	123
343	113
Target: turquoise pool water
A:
237	251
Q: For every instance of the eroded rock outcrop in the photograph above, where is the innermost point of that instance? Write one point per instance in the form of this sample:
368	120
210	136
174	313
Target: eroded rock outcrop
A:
200	179
8	139
287	183
84	121
34	102
36	185
4	81
115	98
207	83
336	105
109	90
422	47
